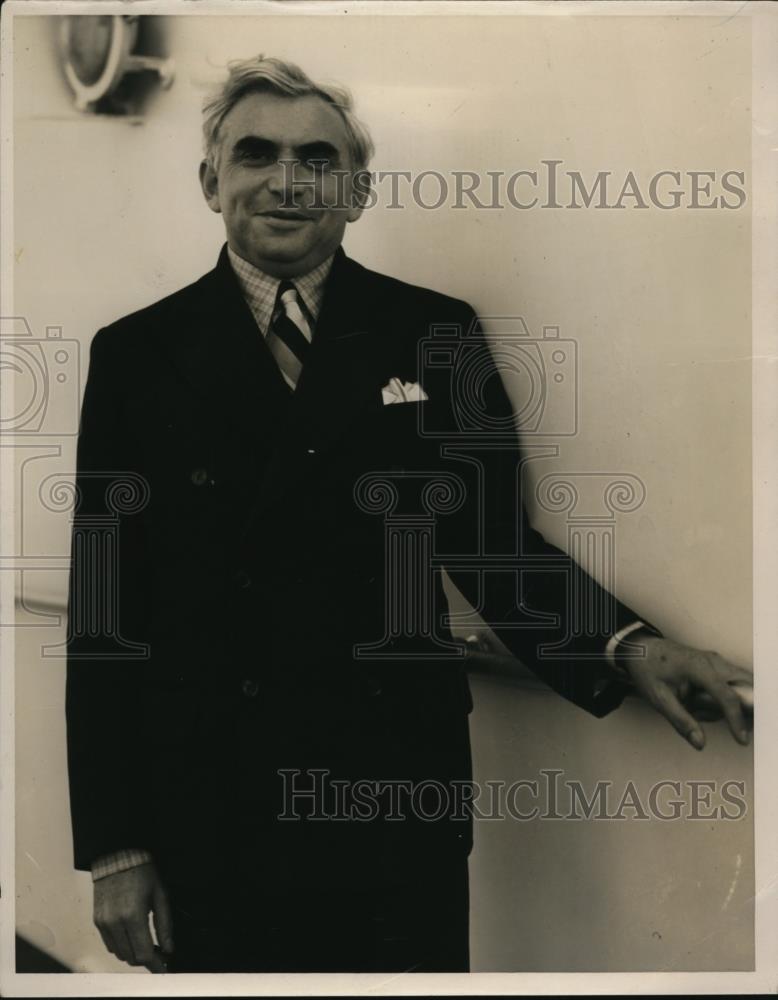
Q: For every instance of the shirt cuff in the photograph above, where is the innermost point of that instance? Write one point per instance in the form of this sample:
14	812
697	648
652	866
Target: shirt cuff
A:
119	861
620	636
615	640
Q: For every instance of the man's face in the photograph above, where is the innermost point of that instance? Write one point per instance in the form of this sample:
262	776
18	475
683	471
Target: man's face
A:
275	213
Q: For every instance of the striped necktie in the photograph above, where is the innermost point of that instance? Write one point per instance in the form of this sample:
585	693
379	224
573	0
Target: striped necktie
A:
289	337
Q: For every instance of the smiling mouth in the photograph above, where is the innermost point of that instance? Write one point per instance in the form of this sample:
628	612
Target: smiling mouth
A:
285	216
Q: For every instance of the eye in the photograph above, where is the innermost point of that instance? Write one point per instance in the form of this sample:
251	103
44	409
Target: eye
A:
317	164
254	152
258	159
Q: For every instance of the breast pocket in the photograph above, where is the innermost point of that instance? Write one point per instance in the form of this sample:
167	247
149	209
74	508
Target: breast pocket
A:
399	435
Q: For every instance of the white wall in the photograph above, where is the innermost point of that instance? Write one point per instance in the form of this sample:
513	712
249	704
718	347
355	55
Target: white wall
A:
109	217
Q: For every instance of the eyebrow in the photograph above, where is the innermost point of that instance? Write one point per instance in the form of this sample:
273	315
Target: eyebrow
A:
317	149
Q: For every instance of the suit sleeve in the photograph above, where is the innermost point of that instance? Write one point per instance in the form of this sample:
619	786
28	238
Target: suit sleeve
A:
106	662
550	613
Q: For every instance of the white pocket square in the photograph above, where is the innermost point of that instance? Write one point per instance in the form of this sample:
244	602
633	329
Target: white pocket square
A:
396	391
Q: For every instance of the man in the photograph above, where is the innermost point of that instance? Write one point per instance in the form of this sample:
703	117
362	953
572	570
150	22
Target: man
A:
251	414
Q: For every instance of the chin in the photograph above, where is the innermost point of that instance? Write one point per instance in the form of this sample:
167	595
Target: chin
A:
287	256
281	250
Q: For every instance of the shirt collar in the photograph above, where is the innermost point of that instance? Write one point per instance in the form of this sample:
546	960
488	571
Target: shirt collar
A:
260	289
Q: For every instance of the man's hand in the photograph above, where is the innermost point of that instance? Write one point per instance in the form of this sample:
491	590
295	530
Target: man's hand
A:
122	904
678	680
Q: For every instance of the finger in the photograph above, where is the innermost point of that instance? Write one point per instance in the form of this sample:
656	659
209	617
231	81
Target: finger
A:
746	695
140	939
124	950
157	964
731	671
163	919
667	704
739	675
703	706
728	702
108	941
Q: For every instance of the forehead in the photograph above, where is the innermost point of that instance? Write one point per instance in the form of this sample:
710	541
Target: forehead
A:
291	121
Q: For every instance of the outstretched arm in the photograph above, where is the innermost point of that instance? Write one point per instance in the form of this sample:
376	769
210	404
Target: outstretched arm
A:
537	606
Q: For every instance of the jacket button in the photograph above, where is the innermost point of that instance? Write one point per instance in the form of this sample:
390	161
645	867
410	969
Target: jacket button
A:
199	477
250	687
242	580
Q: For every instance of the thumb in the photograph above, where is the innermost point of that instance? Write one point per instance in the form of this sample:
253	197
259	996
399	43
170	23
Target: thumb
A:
163	919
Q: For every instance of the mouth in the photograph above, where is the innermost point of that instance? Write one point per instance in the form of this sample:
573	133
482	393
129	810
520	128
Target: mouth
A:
285	217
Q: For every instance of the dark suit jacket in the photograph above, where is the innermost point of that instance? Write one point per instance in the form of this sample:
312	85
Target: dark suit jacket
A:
252	567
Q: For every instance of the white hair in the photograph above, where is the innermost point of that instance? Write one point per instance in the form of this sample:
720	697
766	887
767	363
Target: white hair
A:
262	74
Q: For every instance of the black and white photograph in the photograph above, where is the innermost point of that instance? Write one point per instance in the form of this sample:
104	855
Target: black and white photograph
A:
389	559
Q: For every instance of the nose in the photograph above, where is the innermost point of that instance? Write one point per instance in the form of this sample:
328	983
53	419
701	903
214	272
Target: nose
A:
280	181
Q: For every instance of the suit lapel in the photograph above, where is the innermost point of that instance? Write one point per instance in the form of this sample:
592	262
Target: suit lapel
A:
219	350
342	376
222	354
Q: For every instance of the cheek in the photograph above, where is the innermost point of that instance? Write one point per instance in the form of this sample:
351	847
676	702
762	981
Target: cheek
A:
331	221
238	192
334	191
239	198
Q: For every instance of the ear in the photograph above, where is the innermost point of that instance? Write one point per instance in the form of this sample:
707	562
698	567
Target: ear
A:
209	182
